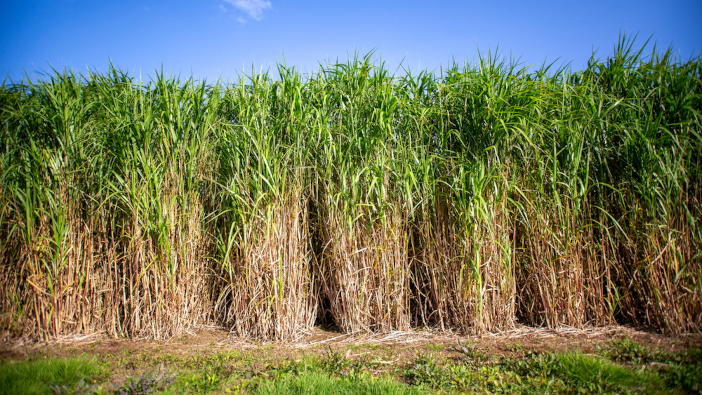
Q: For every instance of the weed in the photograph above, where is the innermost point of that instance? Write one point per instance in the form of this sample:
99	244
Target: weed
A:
435	347
147	383
516	347
80	389
628	351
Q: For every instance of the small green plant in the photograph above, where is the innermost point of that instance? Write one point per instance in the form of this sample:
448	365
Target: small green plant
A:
628	351
147	383
516	347
435	347
334	362
82	388
470	350
425	370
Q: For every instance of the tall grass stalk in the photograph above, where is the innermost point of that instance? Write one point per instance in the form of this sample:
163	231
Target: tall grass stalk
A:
470	199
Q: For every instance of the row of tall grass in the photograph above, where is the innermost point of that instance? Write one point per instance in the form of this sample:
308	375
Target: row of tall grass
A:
470	199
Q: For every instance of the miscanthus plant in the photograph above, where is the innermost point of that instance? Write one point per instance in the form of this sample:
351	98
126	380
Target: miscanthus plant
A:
470	199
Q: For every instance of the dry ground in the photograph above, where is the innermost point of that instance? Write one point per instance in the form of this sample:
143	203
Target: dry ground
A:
393	347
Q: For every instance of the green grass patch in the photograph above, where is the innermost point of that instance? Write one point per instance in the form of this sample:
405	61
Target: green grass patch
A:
621	367
678	370
319	382
38	376
567	373
579	373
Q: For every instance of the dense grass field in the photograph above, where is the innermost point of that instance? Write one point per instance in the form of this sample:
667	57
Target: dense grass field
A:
468	199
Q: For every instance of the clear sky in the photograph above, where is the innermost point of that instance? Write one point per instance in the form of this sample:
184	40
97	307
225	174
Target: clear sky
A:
220	38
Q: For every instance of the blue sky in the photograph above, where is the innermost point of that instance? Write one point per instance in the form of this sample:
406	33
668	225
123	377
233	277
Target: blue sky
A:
220	38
